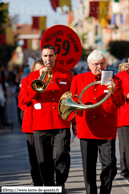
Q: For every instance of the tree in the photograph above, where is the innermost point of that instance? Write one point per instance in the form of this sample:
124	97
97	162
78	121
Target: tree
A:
119	49
6	51
3	16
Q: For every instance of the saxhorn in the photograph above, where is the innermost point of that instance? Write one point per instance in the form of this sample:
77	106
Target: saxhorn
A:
68	106
39	85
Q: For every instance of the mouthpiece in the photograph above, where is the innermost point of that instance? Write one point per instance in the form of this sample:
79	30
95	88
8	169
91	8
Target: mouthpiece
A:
100	70
47	62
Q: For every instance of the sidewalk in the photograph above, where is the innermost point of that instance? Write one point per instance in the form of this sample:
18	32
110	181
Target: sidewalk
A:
14	162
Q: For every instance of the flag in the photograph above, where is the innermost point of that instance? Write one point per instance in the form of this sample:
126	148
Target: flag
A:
54	4
99	9
9	36
117	19
39	23
42	23
35	23
60	3
113	20
24	46
94	5
103	9
122	18
29	43
63	3
3	37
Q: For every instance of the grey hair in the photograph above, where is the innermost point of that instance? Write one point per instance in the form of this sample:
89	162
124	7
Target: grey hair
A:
96	55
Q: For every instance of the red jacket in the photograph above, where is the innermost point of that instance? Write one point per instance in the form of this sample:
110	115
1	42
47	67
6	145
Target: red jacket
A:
45	105
100	122
123	112
27	107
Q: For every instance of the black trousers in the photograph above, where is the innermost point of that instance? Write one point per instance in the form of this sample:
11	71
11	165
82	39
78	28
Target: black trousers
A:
89	150
123	134
53	153
34	168
2	114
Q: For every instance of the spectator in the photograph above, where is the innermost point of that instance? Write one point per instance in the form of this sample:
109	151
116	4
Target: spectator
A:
3	96
16	88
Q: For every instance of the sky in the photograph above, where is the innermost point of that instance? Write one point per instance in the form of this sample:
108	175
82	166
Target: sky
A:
28	8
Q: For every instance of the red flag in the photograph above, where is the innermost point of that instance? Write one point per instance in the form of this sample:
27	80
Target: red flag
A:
55	4
39	23
3	37
94	6
25	44
35	23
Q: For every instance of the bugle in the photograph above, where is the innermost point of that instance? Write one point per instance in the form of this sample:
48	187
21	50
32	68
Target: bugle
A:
39	85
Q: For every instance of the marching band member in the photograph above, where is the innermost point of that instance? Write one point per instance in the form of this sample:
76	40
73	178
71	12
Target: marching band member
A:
97	127
51	133
123	121
27	126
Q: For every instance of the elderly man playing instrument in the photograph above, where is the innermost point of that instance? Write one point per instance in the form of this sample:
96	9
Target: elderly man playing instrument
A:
97	127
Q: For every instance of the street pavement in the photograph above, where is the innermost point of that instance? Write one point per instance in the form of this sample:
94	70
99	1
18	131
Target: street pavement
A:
14	163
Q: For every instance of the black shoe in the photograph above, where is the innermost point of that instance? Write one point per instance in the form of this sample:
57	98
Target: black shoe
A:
124	174
63	189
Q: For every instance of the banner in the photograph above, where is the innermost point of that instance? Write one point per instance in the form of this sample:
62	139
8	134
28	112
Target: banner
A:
99	9
9	36
94	5
42	23
65	3
3	37
54	4
103	9
39	22
60	3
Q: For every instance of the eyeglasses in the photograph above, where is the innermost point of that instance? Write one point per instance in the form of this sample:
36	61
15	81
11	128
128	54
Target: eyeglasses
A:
97	64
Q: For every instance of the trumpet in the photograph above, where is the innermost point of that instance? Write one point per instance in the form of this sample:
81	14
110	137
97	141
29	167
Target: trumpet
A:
39	85
67	106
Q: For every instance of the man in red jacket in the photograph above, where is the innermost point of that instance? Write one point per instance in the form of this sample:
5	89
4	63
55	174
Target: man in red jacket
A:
123	121
97	127
51	133
27	124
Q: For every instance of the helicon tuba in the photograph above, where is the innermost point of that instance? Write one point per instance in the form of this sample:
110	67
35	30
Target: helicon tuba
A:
68	106
39	85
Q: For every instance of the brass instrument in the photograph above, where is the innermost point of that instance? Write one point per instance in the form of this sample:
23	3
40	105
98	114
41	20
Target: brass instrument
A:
68	106
39	85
